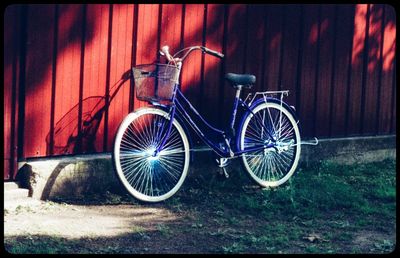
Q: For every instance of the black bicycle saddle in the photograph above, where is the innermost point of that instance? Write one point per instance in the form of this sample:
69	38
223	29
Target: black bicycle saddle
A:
239	80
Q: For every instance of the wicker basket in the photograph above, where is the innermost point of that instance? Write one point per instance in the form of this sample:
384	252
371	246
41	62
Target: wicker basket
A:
155	82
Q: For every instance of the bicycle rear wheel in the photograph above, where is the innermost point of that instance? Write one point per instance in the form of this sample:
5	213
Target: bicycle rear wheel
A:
146	176
270	123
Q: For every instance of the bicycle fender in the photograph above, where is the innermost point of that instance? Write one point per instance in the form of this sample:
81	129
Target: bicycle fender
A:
254	105
277	101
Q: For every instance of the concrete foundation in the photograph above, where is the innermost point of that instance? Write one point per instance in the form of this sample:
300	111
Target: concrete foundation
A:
77	176
63	177
351	150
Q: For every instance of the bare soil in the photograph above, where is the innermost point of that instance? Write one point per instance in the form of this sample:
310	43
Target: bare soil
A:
210	215
178	227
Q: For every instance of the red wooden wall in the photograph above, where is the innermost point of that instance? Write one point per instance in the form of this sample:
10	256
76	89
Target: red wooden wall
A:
65	67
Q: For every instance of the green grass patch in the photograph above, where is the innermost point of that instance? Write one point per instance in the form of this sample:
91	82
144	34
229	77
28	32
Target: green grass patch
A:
321	209
34	245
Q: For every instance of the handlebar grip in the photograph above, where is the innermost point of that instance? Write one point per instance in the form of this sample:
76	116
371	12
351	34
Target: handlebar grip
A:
212	52
165	51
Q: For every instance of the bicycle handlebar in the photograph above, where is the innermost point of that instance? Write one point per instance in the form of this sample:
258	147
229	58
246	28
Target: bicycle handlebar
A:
165	52
212	52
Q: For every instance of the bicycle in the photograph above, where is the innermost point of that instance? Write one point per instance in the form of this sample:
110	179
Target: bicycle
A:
152	149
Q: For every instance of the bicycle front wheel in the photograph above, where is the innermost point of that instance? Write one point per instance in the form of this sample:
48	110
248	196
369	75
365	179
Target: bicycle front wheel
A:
270	124
148	176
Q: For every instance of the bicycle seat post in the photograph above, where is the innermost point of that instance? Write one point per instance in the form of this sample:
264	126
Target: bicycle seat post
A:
238	81
235	105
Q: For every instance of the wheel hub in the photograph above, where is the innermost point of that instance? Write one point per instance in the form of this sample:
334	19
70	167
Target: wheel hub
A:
152	154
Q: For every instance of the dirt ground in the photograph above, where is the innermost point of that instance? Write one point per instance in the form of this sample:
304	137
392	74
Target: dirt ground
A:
140	228
104	228
209	215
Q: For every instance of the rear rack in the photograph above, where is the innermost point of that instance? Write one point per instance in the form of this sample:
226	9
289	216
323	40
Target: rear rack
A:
252	96
281	93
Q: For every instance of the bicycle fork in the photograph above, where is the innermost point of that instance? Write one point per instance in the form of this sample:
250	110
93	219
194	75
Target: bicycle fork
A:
165	136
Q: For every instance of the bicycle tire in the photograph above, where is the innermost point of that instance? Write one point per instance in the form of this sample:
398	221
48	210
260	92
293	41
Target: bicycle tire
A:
146	177
270	167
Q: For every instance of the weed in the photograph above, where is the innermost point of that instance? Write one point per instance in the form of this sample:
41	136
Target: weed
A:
164	229
385	246
197	225
248	203
137	229
234	220
31	245
143	236
313	248
336	201
22	208
175	203
235	247
344	236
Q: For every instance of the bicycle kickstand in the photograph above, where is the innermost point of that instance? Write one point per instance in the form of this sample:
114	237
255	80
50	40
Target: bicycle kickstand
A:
222	163
225	173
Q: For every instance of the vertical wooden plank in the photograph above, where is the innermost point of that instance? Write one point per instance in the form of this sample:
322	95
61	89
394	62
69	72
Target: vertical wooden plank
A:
255	43
274	16
38	81
191	70
9	44
9	48
235	54
212	65
357	60
244	54
290	52
373	69
121	60
308	71
10	80
394	99
392	56
326	55
171	27
67	83
341	70
147	38
388	59
94	77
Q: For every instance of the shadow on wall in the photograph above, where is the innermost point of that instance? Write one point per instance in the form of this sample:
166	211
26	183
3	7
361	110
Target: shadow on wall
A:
76	27
83	140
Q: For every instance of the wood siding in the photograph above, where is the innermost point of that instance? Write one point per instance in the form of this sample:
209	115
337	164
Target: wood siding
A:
66	87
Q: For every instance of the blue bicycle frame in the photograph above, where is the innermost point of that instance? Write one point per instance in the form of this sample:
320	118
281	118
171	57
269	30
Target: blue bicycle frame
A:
216	139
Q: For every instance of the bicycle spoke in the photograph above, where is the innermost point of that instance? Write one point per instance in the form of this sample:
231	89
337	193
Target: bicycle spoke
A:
150	173
271	165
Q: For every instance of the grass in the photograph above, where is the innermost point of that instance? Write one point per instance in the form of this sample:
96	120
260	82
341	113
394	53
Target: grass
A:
164	229
326	208
32	245
336	201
